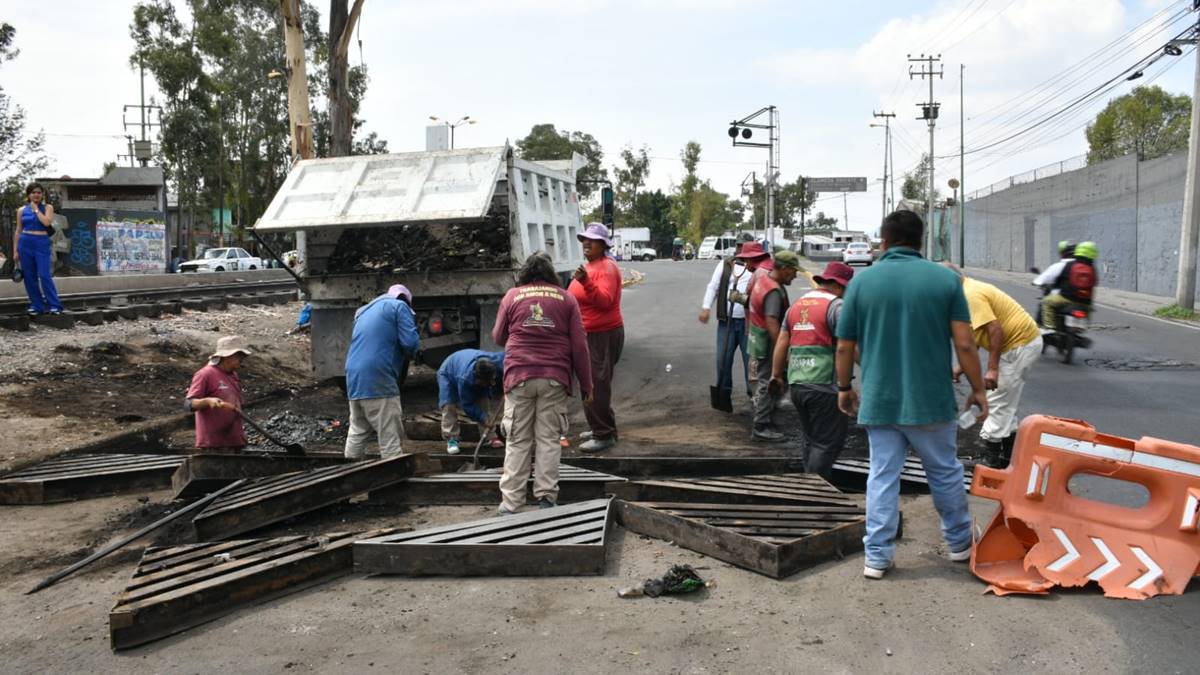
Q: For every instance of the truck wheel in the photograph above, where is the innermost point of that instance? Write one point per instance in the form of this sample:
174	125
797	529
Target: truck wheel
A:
253	267
219	269
647	258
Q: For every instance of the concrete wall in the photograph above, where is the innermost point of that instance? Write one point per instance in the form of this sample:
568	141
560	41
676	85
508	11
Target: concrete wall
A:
1132	210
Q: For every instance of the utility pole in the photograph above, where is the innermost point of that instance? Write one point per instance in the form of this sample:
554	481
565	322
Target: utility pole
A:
887	145
962	171
743	128
298	113
845	213
1189	238
929	113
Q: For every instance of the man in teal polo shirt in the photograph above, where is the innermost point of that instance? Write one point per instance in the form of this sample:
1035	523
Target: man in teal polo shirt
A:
903	314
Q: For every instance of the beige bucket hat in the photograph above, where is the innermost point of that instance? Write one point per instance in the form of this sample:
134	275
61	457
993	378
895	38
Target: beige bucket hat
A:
228	346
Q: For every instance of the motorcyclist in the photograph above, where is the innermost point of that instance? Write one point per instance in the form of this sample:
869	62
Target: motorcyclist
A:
1074	285
1046	280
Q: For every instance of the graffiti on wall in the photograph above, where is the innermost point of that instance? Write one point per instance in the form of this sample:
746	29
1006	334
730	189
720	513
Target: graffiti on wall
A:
131	246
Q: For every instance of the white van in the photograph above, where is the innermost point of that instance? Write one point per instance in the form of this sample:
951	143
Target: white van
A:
717	247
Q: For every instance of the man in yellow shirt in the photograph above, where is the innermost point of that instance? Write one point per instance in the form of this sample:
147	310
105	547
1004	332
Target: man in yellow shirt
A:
1014	343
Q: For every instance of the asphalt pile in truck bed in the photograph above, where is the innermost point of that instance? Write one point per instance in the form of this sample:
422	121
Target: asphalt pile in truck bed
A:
414	247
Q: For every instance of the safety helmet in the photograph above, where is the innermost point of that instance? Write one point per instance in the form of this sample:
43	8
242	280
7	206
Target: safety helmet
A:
1086	249
1064	246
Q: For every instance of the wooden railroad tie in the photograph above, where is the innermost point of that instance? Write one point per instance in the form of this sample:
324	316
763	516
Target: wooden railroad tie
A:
263	501
563	540
71	477
177	588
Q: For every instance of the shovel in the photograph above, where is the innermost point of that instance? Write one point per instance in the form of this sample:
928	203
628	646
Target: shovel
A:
292	448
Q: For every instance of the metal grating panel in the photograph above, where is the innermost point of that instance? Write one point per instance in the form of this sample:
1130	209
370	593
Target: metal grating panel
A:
564	540
852	473
202	474
787	488
775	540
80	476
270	500
482	487
176	588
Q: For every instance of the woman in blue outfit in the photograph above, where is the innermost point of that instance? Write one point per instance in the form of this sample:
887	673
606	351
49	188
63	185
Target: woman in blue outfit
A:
31	241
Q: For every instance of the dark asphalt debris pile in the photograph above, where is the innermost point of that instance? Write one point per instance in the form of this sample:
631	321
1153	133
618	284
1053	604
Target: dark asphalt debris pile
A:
411	247
290	427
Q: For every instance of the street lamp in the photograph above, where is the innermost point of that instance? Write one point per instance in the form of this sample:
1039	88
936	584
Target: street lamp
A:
453	125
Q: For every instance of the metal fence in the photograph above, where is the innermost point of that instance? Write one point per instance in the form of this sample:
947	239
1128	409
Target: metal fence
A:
1054	169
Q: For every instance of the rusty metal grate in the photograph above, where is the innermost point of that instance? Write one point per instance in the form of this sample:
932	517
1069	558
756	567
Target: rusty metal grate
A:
482	487
787	488
275	498
772	539
80	476
177	588
563	540
202	474
851	473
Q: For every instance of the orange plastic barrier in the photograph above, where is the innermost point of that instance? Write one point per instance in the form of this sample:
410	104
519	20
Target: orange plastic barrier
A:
1043	536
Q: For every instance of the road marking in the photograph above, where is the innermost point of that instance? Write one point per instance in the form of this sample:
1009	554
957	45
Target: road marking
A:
1067	558
1153	571
1110	561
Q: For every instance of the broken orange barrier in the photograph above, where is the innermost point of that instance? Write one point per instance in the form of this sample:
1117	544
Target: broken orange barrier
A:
1043	536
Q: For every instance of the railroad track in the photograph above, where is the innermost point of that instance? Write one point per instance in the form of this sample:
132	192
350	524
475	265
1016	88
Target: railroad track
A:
95	307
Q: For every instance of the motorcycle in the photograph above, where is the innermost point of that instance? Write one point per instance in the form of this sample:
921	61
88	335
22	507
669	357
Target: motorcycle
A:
1070	330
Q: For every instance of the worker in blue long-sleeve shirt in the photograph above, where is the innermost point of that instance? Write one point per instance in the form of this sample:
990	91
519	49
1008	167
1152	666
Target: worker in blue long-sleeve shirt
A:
384	338
464	379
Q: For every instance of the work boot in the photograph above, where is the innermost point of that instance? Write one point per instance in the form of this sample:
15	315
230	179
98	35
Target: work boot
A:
993	455
766	435
1007	444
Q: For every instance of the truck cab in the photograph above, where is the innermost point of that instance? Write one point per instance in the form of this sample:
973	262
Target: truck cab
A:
452	225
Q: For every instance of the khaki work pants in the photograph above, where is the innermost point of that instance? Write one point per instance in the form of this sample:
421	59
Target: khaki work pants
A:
381	416
1003	401
535	415
452	427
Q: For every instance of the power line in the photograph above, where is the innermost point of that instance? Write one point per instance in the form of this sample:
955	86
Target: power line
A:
977	28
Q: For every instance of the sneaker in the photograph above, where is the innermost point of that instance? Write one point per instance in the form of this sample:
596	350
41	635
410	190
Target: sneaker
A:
32	312
585	436
597	445
960	556
497	444
505	512
451	447
56	311
766	435
545	503
874	572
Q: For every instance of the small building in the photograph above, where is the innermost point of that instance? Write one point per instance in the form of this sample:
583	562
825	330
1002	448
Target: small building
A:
115	224
844	237
817	246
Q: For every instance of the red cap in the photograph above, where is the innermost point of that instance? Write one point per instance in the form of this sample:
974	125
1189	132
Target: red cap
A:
752	250
838	272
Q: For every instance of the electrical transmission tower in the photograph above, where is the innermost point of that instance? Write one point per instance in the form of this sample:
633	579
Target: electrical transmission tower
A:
929	113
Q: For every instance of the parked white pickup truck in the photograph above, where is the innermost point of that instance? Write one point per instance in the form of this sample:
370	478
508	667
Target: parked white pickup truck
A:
223	260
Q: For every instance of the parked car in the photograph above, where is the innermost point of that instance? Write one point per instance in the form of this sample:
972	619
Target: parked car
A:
857	252
223	260
643	253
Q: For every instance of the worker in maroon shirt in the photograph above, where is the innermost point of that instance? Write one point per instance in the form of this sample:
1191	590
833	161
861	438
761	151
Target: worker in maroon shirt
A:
216	397
539	326
596	286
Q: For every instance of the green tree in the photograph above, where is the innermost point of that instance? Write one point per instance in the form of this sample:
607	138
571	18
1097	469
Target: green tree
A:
22	154
685	192
1147	121
915	186
544	142
653	210
630	177
821	223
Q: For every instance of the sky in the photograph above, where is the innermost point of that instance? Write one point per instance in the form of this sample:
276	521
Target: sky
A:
660	73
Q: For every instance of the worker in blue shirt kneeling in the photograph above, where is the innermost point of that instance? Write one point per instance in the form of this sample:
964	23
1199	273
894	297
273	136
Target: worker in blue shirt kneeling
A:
466	378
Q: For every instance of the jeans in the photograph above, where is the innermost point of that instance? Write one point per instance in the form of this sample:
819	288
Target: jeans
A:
824	427
34	253
727	346
936	445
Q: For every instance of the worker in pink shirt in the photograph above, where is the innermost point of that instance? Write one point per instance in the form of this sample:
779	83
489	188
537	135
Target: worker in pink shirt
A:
216	397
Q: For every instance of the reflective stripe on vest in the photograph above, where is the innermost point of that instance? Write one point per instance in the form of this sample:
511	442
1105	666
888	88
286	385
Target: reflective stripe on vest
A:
758	344
810	342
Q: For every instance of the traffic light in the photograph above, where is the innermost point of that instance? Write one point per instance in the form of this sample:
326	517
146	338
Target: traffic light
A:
607	202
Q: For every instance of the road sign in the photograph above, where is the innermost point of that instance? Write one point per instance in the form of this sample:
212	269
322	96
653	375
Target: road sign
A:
838	184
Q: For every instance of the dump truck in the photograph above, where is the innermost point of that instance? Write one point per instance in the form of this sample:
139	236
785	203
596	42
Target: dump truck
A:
452	225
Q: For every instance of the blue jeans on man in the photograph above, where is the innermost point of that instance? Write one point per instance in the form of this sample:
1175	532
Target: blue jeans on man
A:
730	338
937	447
